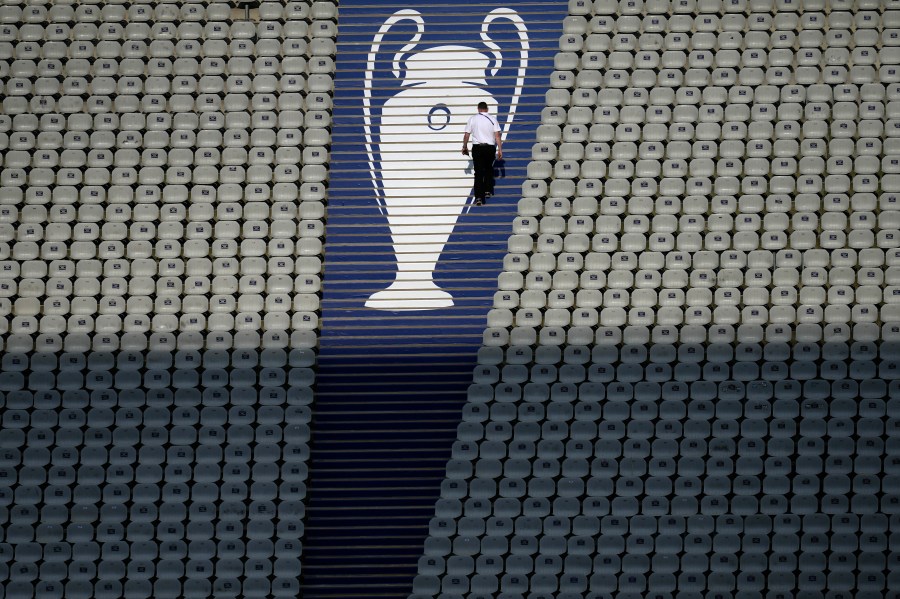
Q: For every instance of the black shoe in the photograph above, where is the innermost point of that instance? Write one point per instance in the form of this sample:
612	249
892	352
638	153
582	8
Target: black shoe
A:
479	201
489	194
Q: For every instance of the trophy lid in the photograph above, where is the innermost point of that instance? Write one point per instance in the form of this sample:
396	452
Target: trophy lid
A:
444	64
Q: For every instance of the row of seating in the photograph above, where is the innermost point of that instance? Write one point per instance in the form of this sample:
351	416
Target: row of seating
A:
505	430
524	545
657	459
667	7
653	375
713	17
253	313
473	520
634	585
158	358
189	11
196	586
155	378
630	134
654	380
59	492
661	469
777	506
756	35
665	101
502	337
632	383
635	348
644	315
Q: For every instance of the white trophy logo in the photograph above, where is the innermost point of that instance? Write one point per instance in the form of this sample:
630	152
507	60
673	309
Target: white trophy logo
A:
420	177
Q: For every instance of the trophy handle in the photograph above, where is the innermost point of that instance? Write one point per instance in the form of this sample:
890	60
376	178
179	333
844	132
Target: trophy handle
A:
513	16
397	17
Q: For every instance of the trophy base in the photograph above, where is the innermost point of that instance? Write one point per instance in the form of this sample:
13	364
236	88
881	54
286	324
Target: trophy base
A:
410	296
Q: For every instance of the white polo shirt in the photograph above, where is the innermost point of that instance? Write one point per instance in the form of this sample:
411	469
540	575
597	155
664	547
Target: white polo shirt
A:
481	128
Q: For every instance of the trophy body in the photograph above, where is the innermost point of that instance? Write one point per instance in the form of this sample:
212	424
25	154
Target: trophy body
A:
423	176
422	180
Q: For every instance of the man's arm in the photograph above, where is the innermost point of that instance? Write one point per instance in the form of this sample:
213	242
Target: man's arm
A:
465	149
499	144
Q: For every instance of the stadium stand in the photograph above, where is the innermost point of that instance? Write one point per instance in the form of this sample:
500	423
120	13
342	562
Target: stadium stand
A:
162	195
685	378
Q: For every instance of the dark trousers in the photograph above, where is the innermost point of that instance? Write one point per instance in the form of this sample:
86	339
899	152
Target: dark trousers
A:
483	161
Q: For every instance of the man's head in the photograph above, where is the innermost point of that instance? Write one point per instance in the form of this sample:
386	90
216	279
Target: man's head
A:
482	107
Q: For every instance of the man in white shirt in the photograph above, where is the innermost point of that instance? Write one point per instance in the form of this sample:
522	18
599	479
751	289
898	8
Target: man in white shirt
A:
486	145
